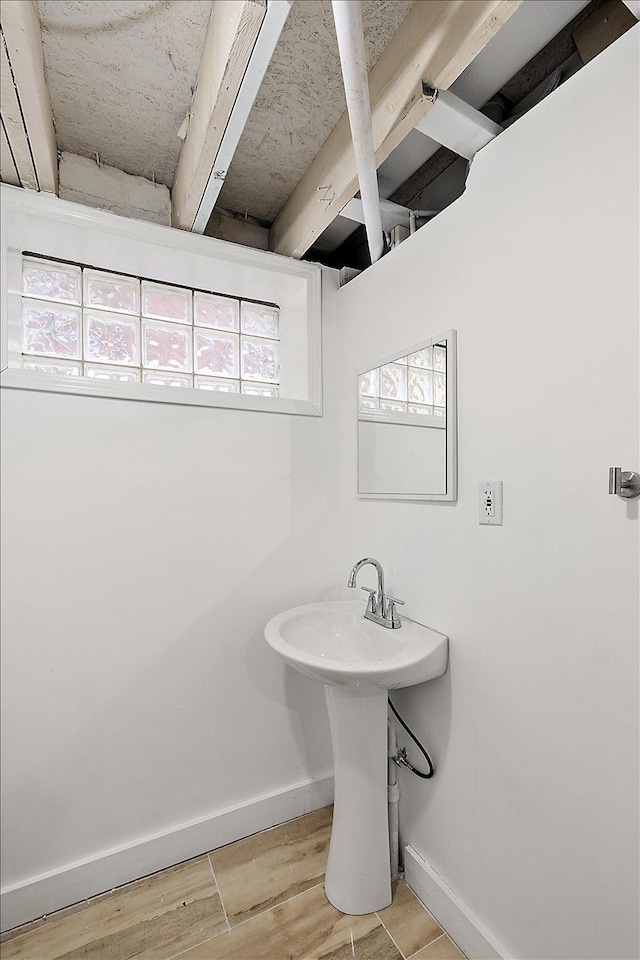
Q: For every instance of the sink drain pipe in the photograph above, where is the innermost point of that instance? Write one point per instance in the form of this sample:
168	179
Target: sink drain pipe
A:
393	796
398	758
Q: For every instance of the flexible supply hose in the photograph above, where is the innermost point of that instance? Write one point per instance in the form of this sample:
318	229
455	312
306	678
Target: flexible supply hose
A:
401	758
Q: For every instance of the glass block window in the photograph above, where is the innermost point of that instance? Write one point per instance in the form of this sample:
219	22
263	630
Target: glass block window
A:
81	322
412	385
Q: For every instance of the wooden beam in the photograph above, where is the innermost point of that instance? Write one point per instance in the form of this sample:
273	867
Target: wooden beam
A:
24	98
224	225
8	166
596	32
13	126
231	37
433	45
270	30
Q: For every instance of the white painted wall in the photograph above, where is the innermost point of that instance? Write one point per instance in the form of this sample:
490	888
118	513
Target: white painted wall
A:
532	818
401	458
144	548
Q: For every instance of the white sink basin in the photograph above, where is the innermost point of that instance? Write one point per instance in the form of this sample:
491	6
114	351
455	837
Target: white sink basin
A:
357	661
332	642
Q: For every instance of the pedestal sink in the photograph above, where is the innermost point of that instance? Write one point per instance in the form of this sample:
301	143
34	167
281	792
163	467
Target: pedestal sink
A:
358	662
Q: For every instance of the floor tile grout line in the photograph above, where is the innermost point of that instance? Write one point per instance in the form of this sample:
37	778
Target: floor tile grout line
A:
121	888
280	903
218	890
429	914
430	944
174	956
396	945
266	830
443	933
286	823
222	933
224	909
288	900
4	938
62	913
42	921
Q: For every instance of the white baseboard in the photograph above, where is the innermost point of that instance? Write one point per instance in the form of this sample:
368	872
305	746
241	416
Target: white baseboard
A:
452	914
40	895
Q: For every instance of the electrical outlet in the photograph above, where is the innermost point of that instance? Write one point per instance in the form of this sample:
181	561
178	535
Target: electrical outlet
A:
490	502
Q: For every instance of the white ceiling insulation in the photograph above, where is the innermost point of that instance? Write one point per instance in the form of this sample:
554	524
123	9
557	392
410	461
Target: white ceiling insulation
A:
300	101
120	76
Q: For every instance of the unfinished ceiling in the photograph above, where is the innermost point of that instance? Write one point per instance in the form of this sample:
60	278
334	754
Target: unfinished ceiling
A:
415	163
300	101
120	76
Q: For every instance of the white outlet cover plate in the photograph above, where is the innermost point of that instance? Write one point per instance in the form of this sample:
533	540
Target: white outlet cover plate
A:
490	502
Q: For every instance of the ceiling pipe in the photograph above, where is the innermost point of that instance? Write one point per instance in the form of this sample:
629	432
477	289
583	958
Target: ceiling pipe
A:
348	21
415	215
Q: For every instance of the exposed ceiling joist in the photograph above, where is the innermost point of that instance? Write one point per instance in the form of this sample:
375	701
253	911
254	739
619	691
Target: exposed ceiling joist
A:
604	25
433	45
270	30
8	167
17	163
231	37
28	149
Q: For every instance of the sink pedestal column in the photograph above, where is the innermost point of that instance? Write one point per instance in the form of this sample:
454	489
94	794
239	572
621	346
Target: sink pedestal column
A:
358	878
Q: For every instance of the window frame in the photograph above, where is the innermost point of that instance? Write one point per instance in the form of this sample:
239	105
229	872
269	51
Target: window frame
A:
169	256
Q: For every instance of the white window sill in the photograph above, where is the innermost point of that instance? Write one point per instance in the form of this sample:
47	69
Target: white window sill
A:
16	379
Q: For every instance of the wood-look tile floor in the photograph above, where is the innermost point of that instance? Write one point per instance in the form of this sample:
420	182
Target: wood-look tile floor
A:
258	899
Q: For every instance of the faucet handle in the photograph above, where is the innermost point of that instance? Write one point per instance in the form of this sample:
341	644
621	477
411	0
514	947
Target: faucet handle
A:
395	600
372	604
392	613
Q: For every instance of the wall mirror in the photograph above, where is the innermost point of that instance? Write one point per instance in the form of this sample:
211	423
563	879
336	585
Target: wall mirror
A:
407	424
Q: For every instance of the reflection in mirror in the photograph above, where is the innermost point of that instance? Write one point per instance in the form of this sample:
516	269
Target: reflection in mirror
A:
406	424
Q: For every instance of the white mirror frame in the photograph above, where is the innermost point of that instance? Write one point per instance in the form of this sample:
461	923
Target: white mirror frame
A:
451	494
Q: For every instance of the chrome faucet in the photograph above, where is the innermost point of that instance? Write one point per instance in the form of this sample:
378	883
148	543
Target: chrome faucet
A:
380	608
